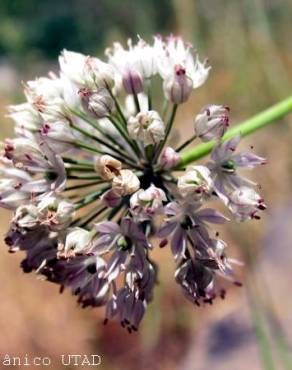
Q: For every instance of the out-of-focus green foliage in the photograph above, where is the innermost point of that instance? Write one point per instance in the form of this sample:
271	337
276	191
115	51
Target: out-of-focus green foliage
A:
45	27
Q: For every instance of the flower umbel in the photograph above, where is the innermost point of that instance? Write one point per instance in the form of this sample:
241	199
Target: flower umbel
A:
91	178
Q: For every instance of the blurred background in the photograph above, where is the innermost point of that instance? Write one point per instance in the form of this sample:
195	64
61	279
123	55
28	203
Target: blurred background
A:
248	44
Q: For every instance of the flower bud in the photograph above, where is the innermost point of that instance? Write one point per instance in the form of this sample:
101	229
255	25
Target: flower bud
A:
55	212
244	203
107	167
77	241
27	119
132	82
86	71
169	158
147	127
178	88
195	183
145	203
111	198
26	216
99	103
126	182
58	135
212	122
23	151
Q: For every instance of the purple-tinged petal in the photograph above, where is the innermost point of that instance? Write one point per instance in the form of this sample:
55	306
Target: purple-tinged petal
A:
172	209
115	264
127	226
248	160
166	229
230	145
103	244
108	227
178	243
211	215
139	259
220	191
138	313
37	186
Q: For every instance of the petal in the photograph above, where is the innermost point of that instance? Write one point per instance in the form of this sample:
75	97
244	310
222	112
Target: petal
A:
114	265
178	243
108	227
172	209
211	215
166	229
138	313
230	145
248	160
103	244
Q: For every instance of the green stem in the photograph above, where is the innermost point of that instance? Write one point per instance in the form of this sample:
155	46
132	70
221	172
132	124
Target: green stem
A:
167	131
90	198
77	161
262	119
100	141
118	107
79	145
125	135
186	143
262	338
149	96
81	186
85	118
81	177
70	169
137	104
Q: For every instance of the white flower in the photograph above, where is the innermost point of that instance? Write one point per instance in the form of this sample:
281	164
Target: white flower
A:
111	198
77	241
169	158
245	203
26	216
130	108
212	122
13	199
23	151
126	182
146	203
11	194
133	65
195	183
58	135
55	212
147	127
46	96
98	102
27	119
107	167
180	71
86	71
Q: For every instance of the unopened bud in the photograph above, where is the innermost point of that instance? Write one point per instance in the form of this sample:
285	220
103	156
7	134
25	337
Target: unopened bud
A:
126	183
196	182
99	103
212	122
169	158
178	88
108	167
147	127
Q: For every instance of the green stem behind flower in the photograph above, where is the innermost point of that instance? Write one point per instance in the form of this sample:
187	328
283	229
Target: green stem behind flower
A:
167	131
252	124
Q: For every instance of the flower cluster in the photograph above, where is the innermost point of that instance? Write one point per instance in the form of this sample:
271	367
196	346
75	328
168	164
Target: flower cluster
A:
91	179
